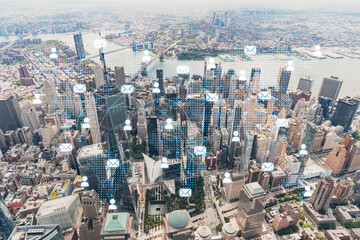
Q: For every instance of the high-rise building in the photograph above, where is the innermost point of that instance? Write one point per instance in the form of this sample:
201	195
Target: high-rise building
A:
111	109
283	80
65	211
6	222
99	76
345	112
330	88
10	117
247	147
227	80
90	203
23	71
117	226
250	213
300	94
254	173
342	191
142	125
322	194
233	189
90	229
305	83
207	117
119	76
153	136
91	113
79	45
50	94
339	157
160	77
254	83
30	117
3	144
325	104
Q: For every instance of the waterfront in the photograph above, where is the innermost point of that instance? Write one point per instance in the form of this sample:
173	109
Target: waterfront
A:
345	68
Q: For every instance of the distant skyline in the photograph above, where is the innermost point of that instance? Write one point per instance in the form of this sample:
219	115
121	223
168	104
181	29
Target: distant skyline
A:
311	5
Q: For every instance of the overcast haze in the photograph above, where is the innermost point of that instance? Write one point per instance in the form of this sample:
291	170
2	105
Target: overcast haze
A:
316	5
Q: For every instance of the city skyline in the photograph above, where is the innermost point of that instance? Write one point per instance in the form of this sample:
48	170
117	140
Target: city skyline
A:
123	120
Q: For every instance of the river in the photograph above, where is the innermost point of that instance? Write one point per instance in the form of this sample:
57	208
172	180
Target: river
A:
346	69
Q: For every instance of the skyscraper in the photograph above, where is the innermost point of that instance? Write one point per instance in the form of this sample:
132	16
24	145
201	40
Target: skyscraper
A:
160	77
153	136
99	76
339	157
91	113
330	88
79	45
322	194
345	112
325	105
111	109
254	84
119	76
250	213
90	204
10	117
23	71
283	80
6	222
305	83
246	152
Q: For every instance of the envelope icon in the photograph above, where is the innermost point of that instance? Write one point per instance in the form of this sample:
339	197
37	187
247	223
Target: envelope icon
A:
250	50
212	97
65	147
79	88
265	95
282	122
200	150
127	89
183	70
185	192
100	43
267	167
113	163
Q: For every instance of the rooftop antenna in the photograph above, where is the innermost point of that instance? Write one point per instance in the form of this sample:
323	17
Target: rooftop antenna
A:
101	44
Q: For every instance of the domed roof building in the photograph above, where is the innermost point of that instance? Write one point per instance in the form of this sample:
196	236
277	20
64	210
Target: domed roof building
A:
229	231
178	219
203	233
178	226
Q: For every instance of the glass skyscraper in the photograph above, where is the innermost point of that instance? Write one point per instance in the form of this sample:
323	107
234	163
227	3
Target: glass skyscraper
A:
6	222
79	45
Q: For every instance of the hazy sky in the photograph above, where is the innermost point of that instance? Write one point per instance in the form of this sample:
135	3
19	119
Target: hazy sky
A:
316	5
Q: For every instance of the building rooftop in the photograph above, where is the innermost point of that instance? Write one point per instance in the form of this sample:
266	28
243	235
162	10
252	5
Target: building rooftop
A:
178	219
116	222
90	150
56	205
203	231
33	232
230	228
254	188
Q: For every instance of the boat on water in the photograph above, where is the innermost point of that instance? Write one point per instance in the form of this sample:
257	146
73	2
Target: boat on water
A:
226	58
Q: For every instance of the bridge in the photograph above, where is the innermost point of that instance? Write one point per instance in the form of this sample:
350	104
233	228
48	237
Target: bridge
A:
112	51
144	65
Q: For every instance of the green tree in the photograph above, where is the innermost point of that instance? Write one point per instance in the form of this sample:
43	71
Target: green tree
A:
219	227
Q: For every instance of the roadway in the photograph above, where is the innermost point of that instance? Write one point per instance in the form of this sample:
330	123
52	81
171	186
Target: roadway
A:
108	52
